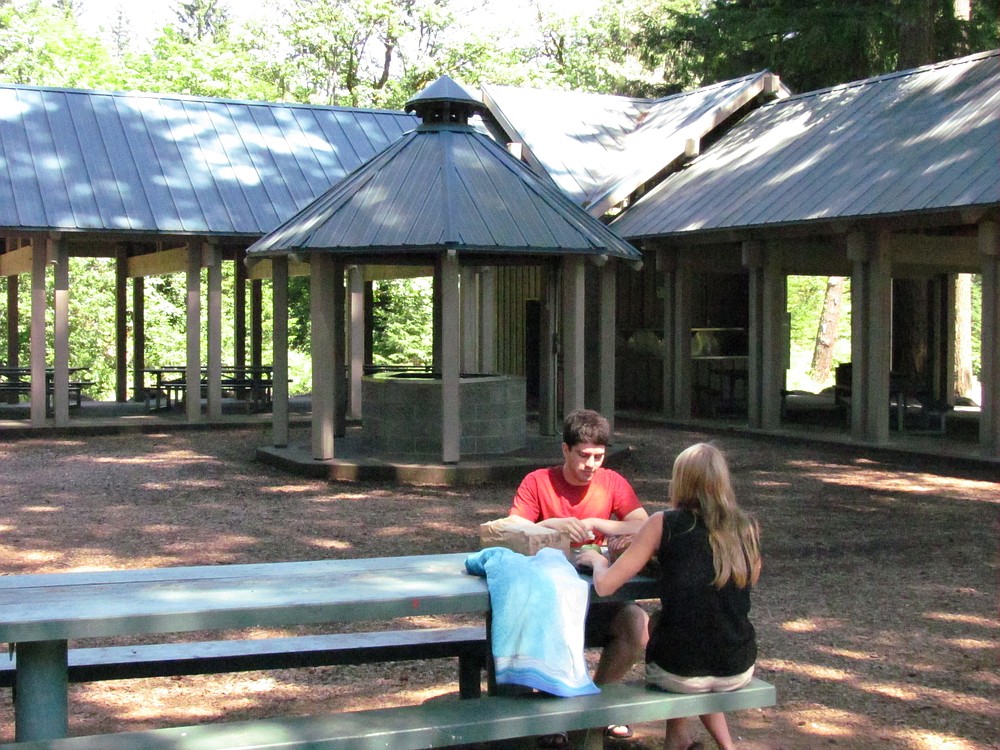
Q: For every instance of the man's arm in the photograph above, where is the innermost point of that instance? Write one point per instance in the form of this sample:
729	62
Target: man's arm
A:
625	527
578	530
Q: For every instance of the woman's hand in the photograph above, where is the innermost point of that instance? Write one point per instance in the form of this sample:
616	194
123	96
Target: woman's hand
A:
591	559
617	545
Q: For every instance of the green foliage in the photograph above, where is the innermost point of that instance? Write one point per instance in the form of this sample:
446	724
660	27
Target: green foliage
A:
42	45
810	45
805	296
216	67
402	328
359	53
198	20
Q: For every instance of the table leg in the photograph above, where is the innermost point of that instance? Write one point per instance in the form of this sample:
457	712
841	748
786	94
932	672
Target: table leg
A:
41	685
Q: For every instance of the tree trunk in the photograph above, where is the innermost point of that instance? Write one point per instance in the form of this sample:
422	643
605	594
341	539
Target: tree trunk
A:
826	333
963	334
910	330
916	33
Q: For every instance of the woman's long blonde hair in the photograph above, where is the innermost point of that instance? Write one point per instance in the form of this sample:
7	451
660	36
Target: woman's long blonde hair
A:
701	483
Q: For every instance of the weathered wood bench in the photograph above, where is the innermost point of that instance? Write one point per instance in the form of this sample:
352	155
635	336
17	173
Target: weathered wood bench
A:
175	391
258	390
468	644
434	724
21	387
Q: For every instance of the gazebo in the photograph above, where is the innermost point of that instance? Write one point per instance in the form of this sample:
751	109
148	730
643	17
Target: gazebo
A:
446	197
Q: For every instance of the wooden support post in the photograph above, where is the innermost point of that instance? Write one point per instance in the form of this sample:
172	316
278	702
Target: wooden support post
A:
356	338
606	341
321	306
989	416
753	260
487	320
451	428
212	258
121	323
469	324
256	323
37	336
339	349
192	365
573	320
13	316
60	361
682	340
774	342
239	310
549	355
436	322
871	333
279	393
666	267
138	337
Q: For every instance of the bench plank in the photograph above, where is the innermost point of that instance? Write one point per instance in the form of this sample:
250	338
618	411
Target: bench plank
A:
218	657
430	725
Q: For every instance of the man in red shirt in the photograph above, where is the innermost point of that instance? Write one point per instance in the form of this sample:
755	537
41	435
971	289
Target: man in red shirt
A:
594	506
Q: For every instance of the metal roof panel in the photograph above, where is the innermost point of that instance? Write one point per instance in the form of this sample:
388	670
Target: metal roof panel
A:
605	147
104	161
440	186
918	140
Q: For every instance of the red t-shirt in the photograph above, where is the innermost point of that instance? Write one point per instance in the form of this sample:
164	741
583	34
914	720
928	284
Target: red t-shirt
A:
545	494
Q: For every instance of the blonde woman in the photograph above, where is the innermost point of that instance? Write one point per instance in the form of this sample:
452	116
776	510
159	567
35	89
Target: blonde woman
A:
708	549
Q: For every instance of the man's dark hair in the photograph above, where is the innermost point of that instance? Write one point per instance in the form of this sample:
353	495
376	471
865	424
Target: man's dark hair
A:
586	426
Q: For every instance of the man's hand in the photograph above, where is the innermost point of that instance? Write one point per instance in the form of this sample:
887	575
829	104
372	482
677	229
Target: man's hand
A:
579	531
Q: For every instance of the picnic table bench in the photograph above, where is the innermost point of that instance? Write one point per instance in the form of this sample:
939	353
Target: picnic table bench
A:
16	381
468	644
253	385
41	613
434	724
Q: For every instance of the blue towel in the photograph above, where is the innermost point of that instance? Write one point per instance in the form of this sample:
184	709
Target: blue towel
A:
539	605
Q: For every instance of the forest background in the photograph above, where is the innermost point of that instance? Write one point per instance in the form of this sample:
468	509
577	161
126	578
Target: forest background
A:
379	53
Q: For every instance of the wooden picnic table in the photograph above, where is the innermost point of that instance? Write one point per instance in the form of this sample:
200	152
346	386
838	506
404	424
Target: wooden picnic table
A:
168	379
17	381
41	613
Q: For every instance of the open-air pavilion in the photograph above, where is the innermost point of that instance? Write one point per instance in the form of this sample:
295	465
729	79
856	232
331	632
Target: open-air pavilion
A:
726	190
160	184
883	180
447	197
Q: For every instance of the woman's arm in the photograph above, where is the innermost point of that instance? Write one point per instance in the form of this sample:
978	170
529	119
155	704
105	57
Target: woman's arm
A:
608	579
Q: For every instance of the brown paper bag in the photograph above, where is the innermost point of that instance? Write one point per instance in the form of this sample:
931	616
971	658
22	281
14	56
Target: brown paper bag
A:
521	535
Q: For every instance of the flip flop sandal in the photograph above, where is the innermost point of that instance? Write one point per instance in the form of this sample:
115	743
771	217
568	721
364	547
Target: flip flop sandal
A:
557	741
618	732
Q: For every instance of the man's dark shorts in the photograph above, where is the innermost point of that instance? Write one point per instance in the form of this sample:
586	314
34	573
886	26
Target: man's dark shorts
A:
597	628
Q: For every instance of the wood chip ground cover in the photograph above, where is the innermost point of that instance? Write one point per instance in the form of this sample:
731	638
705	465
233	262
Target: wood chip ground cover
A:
876	614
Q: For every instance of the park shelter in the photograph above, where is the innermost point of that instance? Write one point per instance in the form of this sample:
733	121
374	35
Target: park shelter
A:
890	178
726	189
448	197
161	183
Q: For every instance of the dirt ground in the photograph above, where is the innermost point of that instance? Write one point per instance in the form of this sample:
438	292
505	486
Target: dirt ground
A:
876	613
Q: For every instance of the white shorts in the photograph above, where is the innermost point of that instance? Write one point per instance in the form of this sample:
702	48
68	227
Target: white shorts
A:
677	684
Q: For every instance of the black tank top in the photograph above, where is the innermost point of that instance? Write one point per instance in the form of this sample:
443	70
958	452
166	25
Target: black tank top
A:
701	630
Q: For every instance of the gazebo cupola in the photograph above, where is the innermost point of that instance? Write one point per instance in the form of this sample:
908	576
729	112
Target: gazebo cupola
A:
445	101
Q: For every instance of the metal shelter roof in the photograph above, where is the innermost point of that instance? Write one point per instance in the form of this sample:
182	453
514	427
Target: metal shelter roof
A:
442	186
916	141
75	160
599	148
